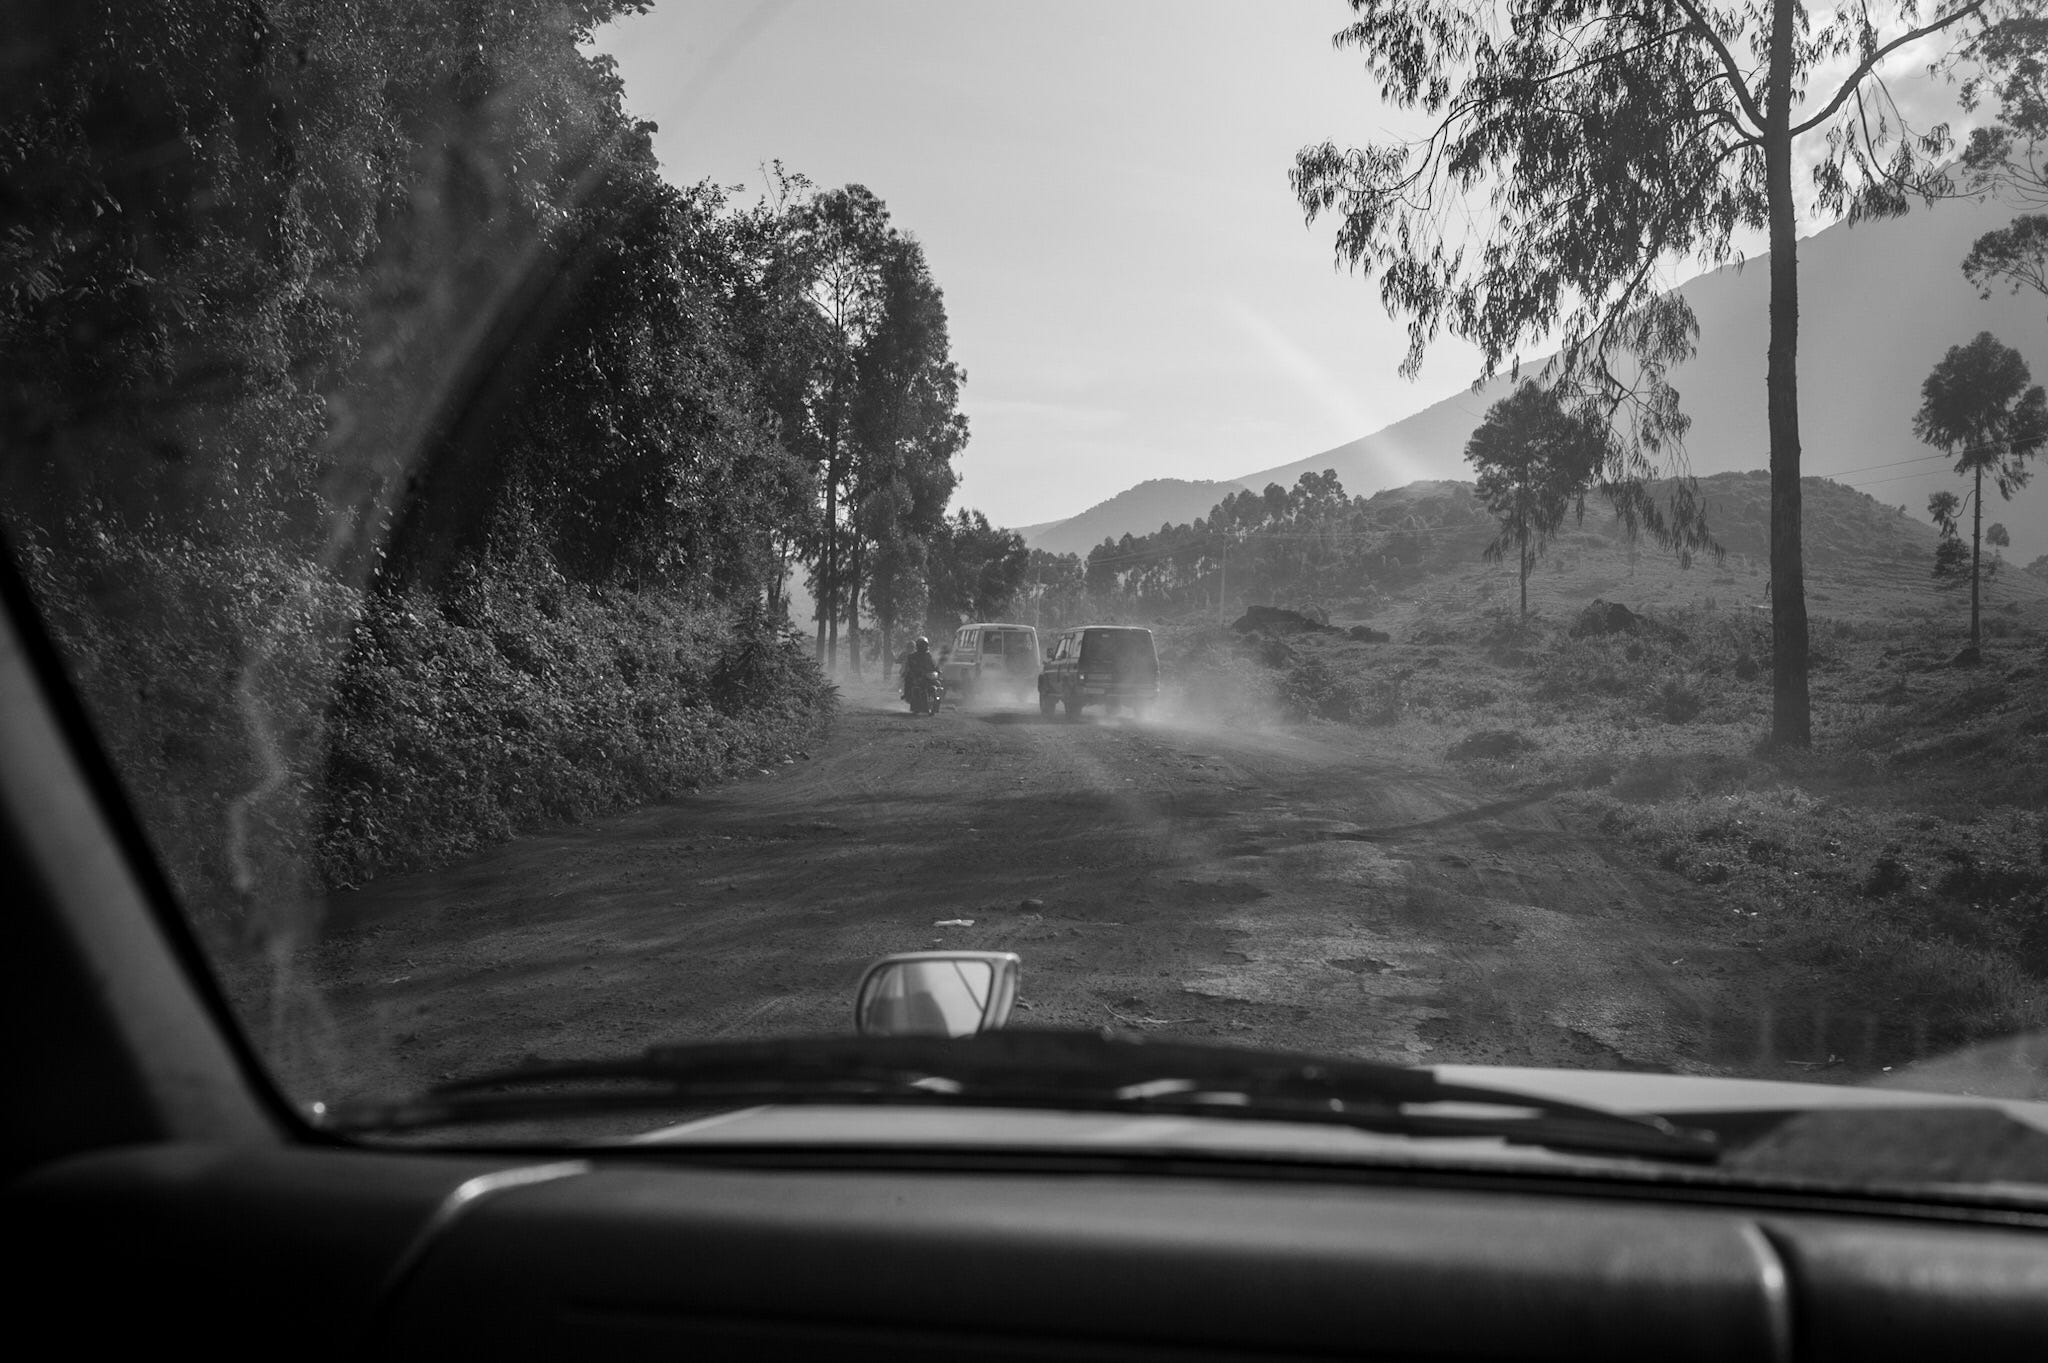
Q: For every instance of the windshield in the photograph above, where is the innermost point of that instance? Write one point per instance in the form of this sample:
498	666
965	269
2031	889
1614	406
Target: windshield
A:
488	469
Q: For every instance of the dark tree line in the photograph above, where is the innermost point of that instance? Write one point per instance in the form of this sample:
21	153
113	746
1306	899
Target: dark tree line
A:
396	286
402	462
1311	543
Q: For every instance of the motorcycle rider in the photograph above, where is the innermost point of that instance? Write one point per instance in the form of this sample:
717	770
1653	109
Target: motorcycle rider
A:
917	663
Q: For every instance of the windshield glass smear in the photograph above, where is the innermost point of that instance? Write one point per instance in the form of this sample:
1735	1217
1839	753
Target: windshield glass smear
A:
581	526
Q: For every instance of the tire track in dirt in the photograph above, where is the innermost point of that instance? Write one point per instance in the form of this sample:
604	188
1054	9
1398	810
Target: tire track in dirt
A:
1285	888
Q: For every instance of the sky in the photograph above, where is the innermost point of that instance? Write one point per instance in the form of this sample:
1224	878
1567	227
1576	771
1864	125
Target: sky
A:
1101	191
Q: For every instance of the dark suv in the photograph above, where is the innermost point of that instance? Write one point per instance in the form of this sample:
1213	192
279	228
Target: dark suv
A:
1106	665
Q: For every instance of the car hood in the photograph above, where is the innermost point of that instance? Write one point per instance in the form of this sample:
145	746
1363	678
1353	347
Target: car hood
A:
1779	1130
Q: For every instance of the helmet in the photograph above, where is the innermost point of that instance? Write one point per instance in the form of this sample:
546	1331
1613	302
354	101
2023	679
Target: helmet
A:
923	642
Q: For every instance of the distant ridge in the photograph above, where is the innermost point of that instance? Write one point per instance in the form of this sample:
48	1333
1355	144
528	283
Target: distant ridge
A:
1864	561
1136	510
1880	303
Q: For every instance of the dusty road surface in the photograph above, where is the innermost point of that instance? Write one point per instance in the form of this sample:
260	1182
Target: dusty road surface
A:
1285	888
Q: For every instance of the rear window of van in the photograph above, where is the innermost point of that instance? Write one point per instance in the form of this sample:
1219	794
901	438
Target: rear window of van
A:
1117	648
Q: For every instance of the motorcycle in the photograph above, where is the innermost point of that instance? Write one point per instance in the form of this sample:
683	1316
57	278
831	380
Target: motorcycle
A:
925	691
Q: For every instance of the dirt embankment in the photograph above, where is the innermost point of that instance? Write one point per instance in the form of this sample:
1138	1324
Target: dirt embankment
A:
1287	888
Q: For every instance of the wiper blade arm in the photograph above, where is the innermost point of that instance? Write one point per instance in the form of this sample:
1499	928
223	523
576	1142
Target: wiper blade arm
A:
1053	1070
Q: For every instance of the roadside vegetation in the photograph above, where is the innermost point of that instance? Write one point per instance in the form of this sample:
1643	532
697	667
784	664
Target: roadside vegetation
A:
403	463
1898	869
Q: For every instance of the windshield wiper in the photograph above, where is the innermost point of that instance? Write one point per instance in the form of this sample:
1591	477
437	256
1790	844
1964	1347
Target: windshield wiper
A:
1073	1071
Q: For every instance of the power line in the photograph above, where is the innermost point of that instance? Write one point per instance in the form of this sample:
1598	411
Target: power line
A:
1880	482
1867	468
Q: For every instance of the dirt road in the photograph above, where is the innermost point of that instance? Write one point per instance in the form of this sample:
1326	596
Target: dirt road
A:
1285	888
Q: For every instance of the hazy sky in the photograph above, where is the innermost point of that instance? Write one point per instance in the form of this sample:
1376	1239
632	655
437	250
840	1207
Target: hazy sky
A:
1101	190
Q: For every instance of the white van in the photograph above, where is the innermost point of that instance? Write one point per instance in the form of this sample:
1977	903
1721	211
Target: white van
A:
992	661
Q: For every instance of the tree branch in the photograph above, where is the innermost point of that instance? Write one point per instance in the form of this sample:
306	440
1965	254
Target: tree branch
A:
1855	78
1728	63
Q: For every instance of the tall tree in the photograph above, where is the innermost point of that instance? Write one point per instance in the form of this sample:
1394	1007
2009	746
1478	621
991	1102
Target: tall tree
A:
1536	462
1980	406
845	234
1610	139
2008	158
906	431
2009	154
2015	255
879	412
976	569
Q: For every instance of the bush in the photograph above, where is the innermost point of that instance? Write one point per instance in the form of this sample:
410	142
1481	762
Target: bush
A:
206	670
1315	689
1678	702
449	737
280	733
1493	745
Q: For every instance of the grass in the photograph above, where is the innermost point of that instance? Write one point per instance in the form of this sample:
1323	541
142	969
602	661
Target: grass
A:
1898	868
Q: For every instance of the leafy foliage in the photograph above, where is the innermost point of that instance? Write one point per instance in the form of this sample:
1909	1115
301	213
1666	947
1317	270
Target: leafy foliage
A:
2010	60
1311	544
1536	462
401	461
1979	405
2016	254
976	571
535	702
1608	140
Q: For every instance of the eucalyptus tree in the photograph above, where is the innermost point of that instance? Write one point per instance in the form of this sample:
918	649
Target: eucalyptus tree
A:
879	415
2009	153
1536	462
977	569
906	429
1980	405
1610	141
843	235
2008	156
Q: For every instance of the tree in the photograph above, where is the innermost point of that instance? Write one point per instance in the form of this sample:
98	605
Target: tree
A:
1978	405
1536	462
845	234
2009	155
906	430
2016	253
1056	586
2008	158
1951	555
976	568
1612	138
878	415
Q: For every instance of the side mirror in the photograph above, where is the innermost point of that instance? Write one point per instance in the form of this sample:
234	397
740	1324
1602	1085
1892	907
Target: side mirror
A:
937	993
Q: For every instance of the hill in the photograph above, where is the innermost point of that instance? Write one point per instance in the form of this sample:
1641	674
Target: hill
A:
1138	510
1865	561
1880	304
1413	554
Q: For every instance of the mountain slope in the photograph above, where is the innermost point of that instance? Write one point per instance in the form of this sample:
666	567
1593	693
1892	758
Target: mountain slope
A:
1138	510
1880	304
1864	561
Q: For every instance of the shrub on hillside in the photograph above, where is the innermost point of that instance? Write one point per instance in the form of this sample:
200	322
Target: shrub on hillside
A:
1678	701
206	670
1492	745
278	732
1315	687
551	707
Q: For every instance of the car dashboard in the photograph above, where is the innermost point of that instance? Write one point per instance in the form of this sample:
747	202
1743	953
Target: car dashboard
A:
395	1254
